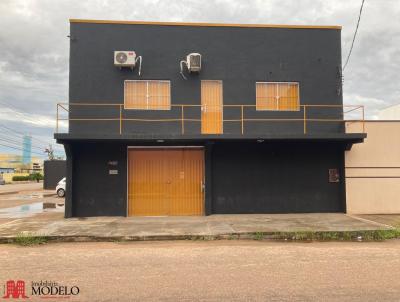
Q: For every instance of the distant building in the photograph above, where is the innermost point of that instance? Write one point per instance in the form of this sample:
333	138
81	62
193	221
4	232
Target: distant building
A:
7	170
390	113
10	161
27	150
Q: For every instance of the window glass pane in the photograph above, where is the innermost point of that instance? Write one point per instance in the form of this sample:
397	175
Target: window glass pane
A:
151	95
135	95
277	96
288	96
266	96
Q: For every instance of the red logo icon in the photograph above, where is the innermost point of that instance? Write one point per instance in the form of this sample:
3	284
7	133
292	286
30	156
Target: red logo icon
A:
15	289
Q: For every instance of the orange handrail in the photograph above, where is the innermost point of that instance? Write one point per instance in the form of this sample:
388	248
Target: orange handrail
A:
66	107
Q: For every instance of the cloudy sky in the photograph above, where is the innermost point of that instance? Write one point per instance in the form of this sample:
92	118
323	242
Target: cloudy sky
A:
34	48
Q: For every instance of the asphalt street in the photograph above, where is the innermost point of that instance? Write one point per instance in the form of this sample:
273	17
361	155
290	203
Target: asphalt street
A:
211	270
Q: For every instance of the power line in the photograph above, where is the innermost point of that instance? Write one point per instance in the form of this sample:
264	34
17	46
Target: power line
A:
18	134
9	129
23	134
355	34
26	115
20	149
18	144
13	136
20	115
10	145
23	114
15	132
4	139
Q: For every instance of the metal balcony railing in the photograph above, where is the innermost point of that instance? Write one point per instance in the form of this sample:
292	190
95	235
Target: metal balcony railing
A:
357	112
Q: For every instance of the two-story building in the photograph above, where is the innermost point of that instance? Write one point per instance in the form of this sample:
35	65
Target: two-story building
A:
207	118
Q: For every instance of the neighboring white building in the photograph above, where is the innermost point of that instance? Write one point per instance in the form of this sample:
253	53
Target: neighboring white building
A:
373	169
390	113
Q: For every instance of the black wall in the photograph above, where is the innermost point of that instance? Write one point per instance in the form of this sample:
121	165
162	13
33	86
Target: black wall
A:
94	191
276	178
54	171
240	178
238	56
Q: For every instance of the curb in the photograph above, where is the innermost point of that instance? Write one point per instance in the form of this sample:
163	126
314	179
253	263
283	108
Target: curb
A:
9	193
49	194
16	192
306	236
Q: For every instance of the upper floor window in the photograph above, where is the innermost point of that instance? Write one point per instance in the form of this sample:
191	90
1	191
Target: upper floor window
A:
280	96
147	94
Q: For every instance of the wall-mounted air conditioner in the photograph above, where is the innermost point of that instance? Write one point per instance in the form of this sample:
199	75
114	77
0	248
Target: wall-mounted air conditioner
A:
127	58
192	62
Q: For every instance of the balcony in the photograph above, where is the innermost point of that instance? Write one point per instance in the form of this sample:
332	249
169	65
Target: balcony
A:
185	120
182	124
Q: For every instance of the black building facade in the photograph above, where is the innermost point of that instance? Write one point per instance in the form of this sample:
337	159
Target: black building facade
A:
259	129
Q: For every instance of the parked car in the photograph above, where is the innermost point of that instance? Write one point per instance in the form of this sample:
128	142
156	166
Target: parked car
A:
60	189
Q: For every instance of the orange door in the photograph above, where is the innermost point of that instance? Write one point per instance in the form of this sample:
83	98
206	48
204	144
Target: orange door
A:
211	107
165	182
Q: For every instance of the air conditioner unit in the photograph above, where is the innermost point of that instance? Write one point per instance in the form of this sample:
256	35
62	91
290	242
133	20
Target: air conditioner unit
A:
127	58
193	63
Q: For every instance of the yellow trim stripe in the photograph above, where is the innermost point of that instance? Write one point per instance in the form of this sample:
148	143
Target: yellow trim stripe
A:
206	24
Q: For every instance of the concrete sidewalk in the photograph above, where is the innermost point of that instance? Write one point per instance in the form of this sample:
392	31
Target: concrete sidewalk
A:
53	226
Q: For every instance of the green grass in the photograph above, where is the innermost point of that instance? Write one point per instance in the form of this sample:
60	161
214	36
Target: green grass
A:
233	237
374	235
383	234
258	236
29	239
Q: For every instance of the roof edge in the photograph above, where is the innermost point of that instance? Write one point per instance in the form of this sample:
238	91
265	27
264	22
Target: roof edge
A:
205	24
375	121
181	137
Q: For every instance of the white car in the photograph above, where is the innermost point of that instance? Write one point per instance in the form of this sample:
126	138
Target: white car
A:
60	189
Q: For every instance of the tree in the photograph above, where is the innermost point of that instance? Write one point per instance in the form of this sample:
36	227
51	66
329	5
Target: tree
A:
50	152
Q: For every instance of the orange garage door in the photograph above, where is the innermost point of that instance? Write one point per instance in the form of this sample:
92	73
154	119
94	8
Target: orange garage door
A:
165	182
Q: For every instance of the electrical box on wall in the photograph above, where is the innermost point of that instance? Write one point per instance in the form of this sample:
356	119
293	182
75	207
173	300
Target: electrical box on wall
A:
334	175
